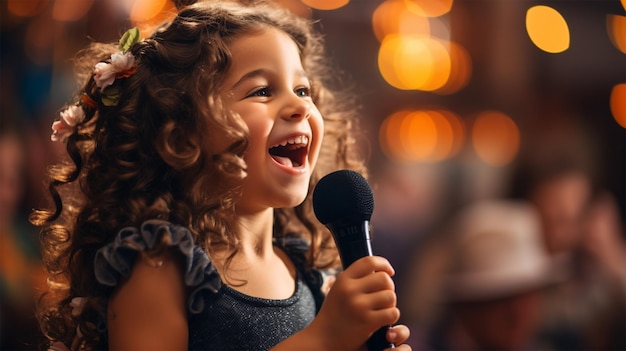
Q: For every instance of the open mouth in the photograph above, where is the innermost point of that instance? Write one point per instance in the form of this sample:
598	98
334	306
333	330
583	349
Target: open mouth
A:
291	152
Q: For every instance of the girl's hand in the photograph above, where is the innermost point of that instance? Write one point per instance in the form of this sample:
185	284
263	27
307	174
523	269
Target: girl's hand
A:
361	300
397	335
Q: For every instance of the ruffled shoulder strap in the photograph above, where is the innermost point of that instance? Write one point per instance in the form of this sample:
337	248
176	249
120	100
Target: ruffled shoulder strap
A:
114	262
297	249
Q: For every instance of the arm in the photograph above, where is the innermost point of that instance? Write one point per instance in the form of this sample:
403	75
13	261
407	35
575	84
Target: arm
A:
360	301
148	311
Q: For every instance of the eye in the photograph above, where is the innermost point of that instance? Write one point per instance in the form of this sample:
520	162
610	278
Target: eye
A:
262	91
303	91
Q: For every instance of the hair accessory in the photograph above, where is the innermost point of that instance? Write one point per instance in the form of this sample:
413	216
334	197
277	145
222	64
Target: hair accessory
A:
86	100
64	126
122	65
78	304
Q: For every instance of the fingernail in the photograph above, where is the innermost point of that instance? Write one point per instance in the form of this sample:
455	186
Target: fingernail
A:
393	335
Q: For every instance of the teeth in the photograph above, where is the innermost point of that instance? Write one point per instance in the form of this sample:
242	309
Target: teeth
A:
300	139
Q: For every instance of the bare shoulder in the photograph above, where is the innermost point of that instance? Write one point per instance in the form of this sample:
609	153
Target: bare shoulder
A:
148	310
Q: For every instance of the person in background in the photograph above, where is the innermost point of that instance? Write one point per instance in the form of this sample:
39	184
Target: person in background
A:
494	284
561	170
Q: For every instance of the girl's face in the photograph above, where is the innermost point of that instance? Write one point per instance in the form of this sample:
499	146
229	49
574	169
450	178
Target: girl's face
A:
268	87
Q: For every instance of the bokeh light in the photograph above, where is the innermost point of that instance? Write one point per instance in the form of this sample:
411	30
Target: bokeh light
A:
418	136
325	4
430	8
495	138
616	28
26	8
70	10
393	17
148	14
414	63
145	10
421	135
460	69
547	29
618	104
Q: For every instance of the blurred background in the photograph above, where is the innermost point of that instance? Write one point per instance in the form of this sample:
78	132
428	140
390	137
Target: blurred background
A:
462	102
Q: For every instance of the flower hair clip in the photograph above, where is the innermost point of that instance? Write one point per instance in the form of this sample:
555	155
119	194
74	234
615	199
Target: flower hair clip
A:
122	65
64	127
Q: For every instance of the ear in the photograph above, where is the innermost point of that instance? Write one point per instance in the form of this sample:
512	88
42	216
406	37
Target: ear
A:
177	147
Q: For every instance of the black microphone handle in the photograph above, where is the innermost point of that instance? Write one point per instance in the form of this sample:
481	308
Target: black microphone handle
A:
353	242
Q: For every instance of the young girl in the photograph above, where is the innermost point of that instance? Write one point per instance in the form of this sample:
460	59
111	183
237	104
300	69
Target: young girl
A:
184	220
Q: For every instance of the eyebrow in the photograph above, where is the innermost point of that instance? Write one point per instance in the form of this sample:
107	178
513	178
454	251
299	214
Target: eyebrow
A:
261	72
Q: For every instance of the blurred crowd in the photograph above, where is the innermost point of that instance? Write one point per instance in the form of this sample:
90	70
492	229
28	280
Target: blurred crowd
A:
537	262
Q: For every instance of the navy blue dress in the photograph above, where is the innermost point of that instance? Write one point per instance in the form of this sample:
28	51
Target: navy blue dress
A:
220	318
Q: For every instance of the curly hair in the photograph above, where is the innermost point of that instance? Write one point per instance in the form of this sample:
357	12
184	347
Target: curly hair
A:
168	149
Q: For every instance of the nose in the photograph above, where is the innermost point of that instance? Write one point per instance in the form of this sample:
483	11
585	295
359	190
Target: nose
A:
296	108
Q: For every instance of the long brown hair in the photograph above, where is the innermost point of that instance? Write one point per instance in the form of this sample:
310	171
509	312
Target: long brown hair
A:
168	149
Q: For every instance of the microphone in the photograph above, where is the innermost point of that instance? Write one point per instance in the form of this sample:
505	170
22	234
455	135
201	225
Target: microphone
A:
343	202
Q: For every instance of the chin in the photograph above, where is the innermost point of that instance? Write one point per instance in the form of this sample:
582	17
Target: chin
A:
294	200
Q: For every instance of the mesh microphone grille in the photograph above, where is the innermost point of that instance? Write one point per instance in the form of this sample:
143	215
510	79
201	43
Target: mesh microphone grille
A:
343	194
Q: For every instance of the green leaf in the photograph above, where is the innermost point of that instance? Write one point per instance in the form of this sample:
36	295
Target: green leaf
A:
110	96
129	38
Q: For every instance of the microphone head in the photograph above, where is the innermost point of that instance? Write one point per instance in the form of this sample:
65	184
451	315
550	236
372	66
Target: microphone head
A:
343	195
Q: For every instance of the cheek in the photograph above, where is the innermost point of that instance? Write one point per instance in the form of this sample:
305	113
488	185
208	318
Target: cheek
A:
258	131
317	128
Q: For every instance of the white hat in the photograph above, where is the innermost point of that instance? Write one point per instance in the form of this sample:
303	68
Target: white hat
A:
499	252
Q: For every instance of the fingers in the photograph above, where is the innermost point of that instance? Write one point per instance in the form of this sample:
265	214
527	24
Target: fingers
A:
367	265
398	334
375	301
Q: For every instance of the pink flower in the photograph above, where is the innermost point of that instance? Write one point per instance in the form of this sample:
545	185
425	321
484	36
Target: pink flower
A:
105	73
65	126
78	304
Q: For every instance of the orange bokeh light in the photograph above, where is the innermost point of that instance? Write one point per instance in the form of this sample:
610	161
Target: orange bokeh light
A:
325	4
147	14
495	138
418	136
618	104
70	10
414	63
460	69
421	135
547	29
616	28
430	8
26	8
393	17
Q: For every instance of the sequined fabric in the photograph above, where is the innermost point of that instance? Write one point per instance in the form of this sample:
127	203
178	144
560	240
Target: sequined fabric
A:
220	318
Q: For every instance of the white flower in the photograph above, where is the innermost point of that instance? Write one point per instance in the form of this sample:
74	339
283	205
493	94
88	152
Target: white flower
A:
122	61
78	303
73	115
64	127
105	73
